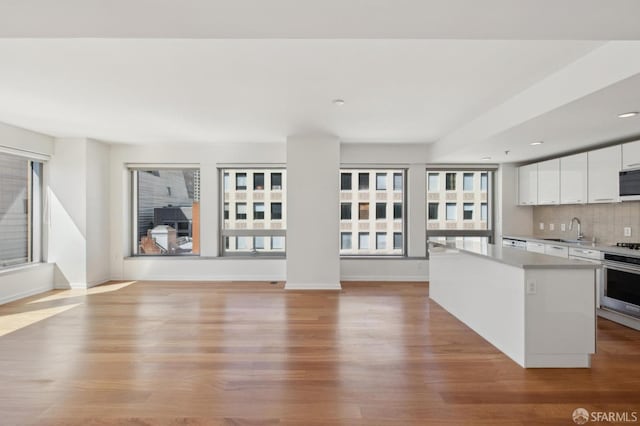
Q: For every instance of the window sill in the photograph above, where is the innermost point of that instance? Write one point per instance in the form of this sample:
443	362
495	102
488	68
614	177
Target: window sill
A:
234	257
381	257
20	268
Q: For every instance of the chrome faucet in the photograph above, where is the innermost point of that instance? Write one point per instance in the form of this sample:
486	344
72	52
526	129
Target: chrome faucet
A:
580	236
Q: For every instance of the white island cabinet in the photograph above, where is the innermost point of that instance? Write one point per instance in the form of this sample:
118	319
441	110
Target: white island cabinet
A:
538	310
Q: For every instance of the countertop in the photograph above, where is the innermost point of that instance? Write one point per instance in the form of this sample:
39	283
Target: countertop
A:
511	256
585	244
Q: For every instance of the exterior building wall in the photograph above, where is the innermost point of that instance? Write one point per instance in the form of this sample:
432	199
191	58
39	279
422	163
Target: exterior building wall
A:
474	196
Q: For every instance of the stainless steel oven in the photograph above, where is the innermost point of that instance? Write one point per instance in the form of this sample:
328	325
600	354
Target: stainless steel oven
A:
621	284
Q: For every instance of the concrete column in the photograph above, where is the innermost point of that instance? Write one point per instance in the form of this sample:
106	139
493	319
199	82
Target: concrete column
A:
416	211
313	223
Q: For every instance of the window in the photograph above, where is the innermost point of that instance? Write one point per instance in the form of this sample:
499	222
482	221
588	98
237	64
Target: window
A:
276	181
276	211
363	181
397	241
345	240
20	210
450	181
465	214
167	211
397	211
345	181
241	181
363	240
433	211
467	211
372	210
433	182
397	182
467	182
345	211
451	213
363	211
254	222
258	211
241	211
258	181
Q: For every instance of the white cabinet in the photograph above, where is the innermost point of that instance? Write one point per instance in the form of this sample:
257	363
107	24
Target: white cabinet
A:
549	182
604	165
535	247
631	155
558	251
528	185
573	179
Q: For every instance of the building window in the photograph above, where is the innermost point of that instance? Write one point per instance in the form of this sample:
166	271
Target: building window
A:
433	182
258	211
451	213
467	181
363	181
433	211
397	182
276	181
20	210
345	240
363	211
397	211
376	210
241	181
363	240
241	211
167	211
345	181
381	240
397	241
257	224
450	181
276	211
345	211
258	181
467	211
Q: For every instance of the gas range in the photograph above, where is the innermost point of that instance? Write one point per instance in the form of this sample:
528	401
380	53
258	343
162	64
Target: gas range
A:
632	246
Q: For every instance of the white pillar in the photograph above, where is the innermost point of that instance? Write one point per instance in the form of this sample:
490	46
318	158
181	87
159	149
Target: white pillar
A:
313	224
416	208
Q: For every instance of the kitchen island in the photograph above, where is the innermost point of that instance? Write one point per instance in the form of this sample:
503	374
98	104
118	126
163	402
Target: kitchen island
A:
539	310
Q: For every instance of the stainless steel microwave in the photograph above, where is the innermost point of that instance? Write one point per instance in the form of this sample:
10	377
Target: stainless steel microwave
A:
630	185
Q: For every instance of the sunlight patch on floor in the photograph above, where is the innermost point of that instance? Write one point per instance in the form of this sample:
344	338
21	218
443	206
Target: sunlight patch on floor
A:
12	322
66	294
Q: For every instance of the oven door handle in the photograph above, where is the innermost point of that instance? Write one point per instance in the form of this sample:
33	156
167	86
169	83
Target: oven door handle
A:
619	266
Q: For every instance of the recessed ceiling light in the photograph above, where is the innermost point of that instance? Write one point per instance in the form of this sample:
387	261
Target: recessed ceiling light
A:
338	102
628	114
486	158
536	143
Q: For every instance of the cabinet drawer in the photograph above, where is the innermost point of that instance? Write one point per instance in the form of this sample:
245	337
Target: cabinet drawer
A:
559	251
535	247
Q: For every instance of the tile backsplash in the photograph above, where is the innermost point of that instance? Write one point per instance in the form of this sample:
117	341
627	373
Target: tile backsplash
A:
604	221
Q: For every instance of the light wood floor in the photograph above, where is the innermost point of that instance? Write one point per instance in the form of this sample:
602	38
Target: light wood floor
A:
250	353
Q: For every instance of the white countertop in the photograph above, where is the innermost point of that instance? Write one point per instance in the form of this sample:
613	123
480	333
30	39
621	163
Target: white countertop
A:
511	256
583	244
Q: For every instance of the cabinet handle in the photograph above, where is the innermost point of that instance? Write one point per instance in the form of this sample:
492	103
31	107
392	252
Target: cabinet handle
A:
632	164
556	247
603	199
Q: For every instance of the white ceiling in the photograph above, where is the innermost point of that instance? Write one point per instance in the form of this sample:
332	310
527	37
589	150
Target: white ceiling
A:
470	78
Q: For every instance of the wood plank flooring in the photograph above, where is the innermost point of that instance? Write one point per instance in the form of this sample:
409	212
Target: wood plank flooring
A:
186	353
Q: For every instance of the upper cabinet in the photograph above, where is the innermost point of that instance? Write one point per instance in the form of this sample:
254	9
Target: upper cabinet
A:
604	165
573	179
528	185
631	155
549	182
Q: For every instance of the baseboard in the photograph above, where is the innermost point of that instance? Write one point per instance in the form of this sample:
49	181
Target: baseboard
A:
24	294
312	286
234	277
385	278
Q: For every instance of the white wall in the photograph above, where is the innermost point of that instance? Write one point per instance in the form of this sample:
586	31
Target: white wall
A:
313	223
511	219
25	140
